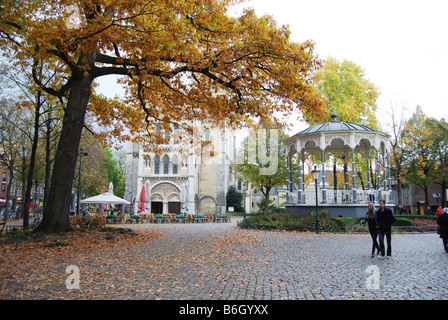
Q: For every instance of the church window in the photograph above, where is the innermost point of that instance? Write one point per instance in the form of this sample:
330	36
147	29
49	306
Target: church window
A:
157	165
166	163
207	134
175	165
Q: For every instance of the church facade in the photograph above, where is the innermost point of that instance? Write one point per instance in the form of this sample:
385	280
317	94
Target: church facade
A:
183	177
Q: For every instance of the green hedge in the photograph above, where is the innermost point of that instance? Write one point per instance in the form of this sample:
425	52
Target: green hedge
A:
288	222
415	216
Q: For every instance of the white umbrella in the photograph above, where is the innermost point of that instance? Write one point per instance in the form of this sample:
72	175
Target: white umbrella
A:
148	196
106	198
111	188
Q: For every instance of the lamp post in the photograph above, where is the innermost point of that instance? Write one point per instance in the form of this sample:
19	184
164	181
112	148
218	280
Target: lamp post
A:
244	198
315	174
78	195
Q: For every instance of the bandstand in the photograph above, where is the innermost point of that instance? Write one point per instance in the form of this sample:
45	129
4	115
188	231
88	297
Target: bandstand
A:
341	140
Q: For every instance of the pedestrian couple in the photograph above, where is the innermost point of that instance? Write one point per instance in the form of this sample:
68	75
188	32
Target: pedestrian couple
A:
380	225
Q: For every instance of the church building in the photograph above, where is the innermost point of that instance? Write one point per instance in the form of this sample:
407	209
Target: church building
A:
192	174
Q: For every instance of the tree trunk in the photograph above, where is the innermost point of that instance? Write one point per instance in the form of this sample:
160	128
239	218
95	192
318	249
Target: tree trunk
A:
56	213
426	196
266	200
443	194
47	160
29	182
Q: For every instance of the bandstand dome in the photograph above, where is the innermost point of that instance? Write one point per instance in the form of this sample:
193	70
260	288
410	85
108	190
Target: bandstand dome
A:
346	139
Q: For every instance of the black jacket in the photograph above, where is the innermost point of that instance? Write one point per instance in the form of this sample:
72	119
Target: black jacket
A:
384	219
442	221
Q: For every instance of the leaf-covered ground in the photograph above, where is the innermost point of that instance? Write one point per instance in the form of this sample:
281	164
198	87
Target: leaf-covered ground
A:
138	267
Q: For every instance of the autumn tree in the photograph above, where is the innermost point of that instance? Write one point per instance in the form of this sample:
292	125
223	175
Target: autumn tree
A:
262	161
180	61
10	142
420	160
347	92
395	127
439	137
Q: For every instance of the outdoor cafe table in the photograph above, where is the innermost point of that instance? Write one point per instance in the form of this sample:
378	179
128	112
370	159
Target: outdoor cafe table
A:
180	218
199	218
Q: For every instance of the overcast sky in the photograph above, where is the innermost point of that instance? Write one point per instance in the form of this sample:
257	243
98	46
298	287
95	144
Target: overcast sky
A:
401	45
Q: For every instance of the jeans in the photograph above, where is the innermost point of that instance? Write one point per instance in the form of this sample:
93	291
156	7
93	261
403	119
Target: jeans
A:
388	234
374	235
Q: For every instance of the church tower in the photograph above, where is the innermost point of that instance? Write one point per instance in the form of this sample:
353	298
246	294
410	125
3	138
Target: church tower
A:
183	178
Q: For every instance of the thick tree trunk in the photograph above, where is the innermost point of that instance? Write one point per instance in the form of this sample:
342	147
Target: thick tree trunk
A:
56	213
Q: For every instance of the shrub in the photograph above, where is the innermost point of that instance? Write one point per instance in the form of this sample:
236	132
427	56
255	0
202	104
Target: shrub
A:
288	222
403	222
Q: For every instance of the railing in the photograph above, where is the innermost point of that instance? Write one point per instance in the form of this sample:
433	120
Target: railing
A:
341	197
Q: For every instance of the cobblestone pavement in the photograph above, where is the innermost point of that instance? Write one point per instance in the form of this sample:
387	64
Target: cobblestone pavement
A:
197	261
289	265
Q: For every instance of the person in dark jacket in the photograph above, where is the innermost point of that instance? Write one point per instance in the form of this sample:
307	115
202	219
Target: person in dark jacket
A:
384	220
373	230
442	221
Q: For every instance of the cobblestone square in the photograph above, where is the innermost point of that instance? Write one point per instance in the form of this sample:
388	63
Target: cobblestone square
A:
218	261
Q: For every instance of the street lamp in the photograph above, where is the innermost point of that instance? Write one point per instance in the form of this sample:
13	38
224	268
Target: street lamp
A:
244	201
315	174
78	196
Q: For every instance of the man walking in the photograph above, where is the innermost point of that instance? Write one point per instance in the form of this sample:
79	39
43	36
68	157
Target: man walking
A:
384	220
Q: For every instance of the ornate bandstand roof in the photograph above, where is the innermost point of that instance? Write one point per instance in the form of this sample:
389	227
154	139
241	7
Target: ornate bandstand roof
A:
337	136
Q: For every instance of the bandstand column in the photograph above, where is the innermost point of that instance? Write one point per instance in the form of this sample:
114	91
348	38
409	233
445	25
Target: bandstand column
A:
389	181
355	195
369	179
288	179
378	174
324	191
299	171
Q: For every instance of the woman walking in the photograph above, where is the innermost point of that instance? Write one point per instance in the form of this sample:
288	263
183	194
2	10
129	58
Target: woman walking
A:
371	221
442	221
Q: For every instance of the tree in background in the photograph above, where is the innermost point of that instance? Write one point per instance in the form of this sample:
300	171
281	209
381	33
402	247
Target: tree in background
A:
234	199
397	117
419	157
114	166
260	153
347	91
439	136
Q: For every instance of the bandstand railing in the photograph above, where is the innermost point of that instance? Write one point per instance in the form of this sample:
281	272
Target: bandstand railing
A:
341	197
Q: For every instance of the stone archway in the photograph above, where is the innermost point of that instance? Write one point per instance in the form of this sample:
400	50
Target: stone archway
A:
168	193
156	203
207	204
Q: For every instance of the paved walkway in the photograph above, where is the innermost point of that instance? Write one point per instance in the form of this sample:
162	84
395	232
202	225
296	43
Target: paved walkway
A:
218	261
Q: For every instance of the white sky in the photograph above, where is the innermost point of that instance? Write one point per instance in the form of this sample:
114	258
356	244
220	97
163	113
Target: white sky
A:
401	45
